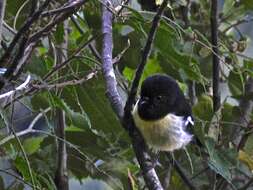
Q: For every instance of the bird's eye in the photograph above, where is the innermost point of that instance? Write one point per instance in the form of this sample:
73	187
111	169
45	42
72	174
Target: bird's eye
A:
159	98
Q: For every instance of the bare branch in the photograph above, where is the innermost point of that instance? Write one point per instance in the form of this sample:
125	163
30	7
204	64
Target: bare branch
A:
73	6
20	87
167	178
247	185
147	166
2	10
61	175
60	10
246	107
91	46
64	84
181	172
21	62
238	22
216	64
26	27
17	177
71	57
108	72
26	131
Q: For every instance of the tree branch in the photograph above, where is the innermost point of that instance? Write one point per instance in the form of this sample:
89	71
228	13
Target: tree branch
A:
216	66
181	172
26	27
29	129
20	87
139	147
238	22
66	83
61	174
145	55
73	6
247	185
245	107
81	31
71	57
2	10
108	72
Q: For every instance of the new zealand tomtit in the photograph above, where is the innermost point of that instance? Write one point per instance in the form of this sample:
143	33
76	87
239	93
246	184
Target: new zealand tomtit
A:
162	114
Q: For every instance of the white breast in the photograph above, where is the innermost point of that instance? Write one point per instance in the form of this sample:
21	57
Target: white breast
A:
165	134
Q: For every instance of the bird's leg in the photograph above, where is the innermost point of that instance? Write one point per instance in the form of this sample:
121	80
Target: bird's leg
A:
155	158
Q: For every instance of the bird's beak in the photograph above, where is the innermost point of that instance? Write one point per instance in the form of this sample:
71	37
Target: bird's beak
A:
144	100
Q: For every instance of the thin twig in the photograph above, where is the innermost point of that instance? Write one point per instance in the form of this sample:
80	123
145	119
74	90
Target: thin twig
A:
64	84
21	62
73	7
181	172
238	22
31	174
167	178
245	107
81	31
21	87
21	32
247	185
2	10
57	11
71	57
19	178
26	131
74	147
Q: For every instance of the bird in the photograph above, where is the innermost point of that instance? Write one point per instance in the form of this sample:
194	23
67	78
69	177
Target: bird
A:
163	115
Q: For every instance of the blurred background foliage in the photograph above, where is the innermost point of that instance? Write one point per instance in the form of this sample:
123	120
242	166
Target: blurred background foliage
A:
99	151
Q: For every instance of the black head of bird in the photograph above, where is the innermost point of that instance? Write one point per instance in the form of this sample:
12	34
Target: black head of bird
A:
160	95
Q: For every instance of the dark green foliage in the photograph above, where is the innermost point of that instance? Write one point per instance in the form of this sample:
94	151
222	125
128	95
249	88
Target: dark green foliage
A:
100	154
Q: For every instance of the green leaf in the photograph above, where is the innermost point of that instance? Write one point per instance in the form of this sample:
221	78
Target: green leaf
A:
228	6
152	67
248	148
128	73
40	101
77	119
2	183
246	158
135	14
167	42
21	166
236	83
204	108
92	98
31	145
247	4
59	34
221	161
